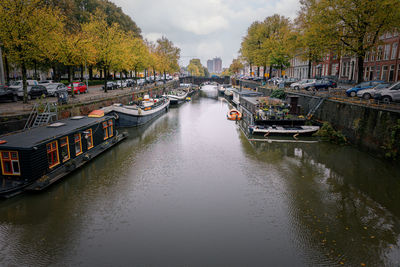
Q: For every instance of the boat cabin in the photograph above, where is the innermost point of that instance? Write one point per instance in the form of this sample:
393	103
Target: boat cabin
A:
39	152
238	94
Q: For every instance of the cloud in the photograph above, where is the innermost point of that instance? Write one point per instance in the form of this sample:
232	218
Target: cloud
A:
206	28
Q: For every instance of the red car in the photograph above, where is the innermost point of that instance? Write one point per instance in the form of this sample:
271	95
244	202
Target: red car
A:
78	88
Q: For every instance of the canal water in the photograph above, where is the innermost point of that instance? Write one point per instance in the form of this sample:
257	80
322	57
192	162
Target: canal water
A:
191	190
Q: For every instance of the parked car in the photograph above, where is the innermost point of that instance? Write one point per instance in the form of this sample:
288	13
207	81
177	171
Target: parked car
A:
389	94
37	91
122	84
53	88
18	87
364	85
8	94
297	85
79	88
288	81
370	93
111	86
320	84
46	82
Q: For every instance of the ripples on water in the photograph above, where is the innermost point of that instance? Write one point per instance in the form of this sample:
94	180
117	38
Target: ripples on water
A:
190	189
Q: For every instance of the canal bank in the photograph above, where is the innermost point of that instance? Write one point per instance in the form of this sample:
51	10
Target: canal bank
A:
372	129
190	189
17	120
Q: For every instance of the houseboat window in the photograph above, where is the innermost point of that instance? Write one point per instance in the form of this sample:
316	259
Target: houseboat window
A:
10	163
105	126
78	144
89	137
52	154
64	149
110	128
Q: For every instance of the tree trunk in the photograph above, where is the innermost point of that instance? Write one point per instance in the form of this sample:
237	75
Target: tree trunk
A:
258	71
270	71
105	79
24	85
309	69
82	73
69	74
101	74
35	71
165	77
90	72
360	65
53	77
251	69
265	71
7	69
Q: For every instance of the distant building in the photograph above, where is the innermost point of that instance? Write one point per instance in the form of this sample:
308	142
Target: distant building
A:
210	65
214	65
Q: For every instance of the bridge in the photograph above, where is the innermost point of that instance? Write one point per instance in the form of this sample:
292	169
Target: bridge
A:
199	80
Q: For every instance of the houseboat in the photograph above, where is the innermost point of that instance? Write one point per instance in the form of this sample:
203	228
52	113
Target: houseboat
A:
177	97
36	158
140	113
270	116
238	94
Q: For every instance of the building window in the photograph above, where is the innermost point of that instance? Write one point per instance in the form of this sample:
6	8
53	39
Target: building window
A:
391	73
378	72
380	52
89	138
387	52
372	55
10	163
366	73
78	144
110	128
394	50
398	72
384	72
52	154
64	144
366	57
105	126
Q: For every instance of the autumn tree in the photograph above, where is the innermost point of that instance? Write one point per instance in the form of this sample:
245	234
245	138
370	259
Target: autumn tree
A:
167	55
353	25
107	39
195	68
236	66
27	27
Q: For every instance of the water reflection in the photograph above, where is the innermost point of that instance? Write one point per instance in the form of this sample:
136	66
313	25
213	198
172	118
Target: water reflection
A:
343	204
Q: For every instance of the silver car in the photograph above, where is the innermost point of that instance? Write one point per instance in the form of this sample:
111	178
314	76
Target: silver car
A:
54	88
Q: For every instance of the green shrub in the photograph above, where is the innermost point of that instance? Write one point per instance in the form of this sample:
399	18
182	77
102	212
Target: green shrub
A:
279	93
328	133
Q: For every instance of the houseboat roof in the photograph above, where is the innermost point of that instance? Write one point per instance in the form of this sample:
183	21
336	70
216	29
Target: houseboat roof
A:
35	136
255	100
246	92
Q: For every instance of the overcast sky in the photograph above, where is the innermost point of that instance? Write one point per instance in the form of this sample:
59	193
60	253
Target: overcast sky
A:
204	28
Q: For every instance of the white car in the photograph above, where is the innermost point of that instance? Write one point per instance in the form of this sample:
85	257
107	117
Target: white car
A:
370	92
54	88
308	83
389	94
297	85
17	86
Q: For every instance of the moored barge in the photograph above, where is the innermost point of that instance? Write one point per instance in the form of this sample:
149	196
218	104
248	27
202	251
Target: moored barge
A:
35	159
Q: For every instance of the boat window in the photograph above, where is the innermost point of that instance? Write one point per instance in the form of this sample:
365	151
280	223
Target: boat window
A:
52	154
78	144
105	130
110	128
64	144
89	138
10	163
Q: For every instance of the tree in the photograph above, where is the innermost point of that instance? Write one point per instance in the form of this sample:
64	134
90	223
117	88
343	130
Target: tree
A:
236	66
167	55
354	25
27	28
107	39
195	68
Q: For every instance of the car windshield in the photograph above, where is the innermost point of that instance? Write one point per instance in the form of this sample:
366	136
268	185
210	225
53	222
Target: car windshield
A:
52	86
15	83
363	84
381	86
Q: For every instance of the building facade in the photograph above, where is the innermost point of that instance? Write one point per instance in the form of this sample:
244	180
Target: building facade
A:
214	65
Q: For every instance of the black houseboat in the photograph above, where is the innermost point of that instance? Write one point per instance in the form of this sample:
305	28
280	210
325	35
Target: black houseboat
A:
34	159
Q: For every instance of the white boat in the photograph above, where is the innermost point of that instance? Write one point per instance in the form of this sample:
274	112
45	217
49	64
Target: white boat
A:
177	96
139	114
221	90
283	130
